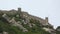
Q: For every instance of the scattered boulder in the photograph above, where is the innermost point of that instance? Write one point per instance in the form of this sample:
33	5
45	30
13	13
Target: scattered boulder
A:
52	31
30	25
5	32
58	28
17	15
14	23
6	17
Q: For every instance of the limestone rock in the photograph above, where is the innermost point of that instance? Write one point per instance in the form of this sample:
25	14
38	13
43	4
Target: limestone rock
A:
14	23
58	28
30	25
17	15
5	32
6	17
52	31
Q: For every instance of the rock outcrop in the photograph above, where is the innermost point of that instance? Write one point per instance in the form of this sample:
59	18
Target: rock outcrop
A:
20	19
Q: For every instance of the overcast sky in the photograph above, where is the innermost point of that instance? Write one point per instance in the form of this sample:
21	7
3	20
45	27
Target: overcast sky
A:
40	8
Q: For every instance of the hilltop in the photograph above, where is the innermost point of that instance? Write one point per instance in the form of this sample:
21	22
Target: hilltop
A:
19	22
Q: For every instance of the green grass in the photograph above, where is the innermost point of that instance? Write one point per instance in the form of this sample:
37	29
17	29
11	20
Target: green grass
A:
5	26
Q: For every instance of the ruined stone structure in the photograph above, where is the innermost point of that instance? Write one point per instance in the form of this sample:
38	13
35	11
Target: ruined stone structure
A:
25	15
25	19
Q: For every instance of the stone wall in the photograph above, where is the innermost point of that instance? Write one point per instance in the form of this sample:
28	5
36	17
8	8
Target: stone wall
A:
25	15
8	12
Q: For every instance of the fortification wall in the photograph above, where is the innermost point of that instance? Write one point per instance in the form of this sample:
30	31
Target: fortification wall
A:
25	15
41	20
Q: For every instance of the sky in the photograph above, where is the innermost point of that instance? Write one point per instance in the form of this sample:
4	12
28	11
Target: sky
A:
40	8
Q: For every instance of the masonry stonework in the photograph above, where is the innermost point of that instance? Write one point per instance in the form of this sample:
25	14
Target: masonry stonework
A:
25	15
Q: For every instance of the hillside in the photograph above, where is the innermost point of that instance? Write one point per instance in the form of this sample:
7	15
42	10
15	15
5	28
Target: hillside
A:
18	22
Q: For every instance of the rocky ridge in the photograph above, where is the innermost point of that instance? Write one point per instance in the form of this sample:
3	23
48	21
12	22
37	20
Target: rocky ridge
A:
25	22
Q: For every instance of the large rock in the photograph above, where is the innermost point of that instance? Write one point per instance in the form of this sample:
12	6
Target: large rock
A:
58	28
5	32
6	17
52	31
14	23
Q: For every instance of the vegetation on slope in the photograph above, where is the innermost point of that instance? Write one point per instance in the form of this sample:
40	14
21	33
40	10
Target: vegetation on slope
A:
58	30
5	26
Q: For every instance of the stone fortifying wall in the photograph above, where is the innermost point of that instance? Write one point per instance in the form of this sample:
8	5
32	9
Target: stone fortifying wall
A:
25	15
28	16
8	12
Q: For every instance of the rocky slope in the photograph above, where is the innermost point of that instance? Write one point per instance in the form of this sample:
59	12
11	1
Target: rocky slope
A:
58	30
18	24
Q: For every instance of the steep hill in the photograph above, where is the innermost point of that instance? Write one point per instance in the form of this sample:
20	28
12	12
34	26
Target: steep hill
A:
18	22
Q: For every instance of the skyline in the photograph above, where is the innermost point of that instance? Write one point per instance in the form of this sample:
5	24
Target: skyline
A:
40	8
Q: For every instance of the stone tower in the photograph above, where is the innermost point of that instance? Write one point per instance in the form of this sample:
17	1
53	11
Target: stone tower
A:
19	12
46	19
